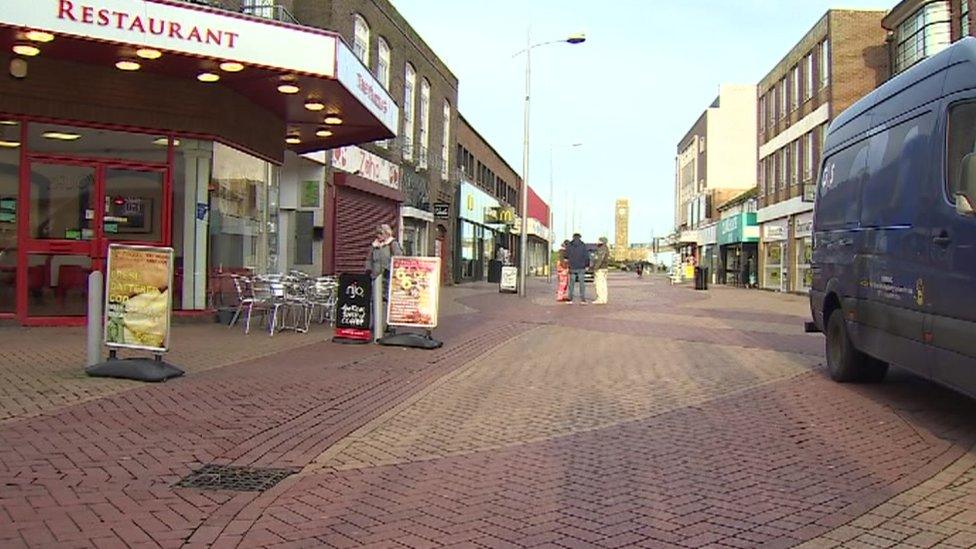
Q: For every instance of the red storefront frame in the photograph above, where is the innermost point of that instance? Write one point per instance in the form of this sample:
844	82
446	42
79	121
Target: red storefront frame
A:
95	248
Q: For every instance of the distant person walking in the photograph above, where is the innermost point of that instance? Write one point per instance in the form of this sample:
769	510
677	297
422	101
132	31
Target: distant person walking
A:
601	262
640	269
579	259
562	272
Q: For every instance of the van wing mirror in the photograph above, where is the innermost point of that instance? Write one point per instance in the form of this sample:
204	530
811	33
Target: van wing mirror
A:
966	194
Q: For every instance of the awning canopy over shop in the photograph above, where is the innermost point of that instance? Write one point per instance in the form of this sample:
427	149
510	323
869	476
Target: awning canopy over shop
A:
307	77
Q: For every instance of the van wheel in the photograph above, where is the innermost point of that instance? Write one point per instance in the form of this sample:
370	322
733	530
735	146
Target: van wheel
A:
844	361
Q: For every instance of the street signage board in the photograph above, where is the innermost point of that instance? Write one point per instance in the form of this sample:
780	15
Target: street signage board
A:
509	280
138	300
442	210
413	292
353	319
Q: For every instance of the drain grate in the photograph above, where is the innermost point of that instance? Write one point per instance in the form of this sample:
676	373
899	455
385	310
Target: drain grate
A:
237	479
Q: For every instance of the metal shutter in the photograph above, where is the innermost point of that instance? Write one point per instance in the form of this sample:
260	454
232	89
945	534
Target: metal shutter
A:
357	215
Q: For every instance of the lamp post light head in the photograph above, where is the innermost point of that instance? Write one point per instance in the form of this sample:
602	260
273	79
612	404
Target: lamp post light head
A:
577	38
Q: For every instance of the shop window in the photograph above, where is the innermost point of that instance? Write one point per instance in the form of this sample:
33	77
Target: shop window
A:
243	218
304	229
360	44
804	251
773	265
90	142
62	205
9	190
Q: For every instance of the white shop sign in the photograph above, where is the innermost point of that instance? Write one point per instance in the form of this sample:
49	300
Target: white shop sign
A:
804	225
775	230
365	164
183	29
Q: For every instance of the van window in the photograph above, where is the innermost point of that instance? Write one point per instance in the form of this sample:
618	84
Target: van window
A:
840	186
961	141
895	166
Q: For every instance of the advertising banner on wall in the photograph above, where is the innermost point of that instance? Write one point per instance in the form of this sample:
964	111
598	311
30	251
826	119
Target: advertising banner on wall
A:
353	320
413	292
138	300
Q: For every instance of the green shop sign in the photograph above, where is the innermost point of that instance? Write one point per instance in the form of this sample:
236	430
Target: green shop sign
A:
738	228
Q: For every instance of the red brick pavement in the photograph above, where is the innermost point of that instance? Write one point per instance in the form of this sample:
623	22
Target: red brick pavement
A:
775	465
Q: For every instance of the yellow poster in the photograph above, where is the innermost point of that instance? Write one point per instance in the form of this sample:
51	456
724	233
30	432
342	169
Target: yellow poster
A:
137	297
413	292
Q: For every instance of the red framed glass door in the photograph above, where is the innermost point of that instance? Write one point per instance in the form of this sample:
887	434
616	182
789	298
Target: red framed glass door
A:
75	208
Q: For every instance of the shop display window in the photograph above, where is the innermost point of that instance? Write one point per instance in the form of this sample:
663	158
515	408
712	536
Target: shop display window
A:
773	266
804	275
9	188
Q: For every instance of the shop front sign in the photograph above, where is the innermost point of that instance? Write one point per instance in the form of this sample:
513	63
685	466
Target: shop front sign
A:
804	225
353	319
536	228
775	230
365	164
442	210
500	215
413	291
366	88
738	228
476	204
183	29
138	299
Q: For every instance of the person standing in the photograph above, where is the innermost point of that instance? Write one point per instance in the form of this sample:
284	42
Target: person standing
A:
601	261
562	272
579	259
381	251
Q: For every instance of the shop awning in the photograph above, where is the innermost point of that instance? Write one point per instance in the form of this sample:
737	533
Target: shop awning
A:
308	77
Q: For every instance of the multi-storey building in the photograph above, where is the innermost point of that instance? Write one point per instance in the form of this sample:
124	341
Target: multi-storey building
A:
399	181
840	59
921	28
621	229
487	206
715	162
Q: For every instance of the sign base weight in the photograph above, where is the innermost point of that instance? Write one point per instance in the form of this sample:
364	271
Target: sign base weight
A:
416	341
139	369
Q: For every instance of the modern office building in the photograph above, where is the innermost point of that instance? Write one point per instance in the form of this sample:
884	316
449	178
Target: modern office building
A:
840	59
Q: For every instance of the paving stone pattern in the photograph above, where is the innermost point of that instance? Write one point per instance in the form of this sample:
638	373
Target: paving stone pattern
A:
668	418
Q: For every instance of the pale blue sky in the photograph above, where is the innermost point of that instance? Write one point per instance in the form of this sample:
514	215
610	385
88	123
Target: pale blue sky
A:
629	93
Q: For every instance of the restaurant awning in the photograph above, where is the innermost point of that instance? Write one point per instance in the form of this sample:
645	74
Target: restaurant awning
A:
306	76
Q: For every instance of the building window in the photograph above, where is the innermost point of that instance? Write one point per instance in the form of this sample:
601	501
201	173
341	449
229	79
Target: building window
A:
923	34
762	114
424	121
762	176
795	89
409	97
445	142
808	156
824	63
383	63
781	169
795	162
964	18
808	76
782	98
360	44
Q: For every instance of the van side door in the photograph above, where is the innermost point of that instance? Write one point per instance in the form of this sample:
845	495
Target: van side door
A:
951	294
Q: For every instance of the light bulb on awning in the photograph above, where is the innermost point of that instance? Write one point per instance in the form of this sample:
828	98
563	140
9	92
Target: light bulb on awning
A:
9	144
314	105
128	65
149	53
289	88
61	136
333	120
26	49
324	132
293	139
231	66
208	77
39	36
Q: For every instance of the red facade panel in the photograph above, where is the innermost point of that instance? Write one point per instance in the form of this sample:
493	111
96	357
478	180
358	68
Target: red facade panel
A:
538	209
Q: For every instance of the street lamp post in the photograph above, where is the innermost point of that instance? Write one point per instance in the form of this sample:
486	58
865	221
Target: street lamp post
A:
523	234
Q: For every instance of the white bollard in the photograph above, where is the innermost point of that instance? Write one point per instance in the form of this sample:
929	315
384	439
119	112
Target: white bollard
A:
94	354
378	310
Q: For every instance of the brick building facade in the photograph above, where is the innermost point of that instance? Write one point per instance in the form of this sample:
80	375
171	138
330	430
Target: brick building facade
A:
839	60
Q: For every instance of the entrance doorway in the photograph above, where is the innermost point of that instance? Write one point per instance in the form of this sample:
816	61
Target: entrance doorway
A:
74	209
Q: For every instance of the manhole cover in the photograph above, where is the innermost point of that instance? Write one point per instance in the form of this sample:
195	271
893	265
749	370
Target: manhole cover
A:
238	479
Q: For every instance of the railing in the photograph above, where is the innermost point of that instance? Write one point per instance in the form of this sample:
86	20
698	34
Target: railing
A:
269	11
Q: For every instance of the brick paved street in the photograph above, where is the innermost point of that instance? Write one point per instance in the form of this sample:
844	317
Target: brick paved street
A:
668	418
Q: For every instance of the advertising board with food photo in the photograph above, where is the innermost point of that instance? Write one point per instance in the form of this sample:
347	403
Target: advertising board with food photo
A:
413	292
137	297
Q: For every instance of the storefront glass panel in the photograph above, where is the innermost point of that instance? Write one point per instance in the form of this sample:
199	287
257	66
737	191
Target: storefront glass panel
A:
773	266
57	284
243	219
63	140
134	205
804	275
192	164
9	189
62	202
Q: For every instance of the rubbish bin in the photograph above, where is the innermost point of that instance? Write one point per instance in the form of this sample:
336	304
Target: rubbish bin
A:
494	271
700	282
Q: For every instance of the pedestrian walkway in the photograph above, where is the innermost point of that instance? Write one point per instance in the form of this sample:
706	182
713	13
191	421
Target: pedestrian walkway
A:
667	418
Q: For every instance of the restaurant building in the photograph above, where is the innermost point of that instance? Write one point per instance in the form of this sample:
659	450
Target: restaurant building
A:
839	60
162	123
539	235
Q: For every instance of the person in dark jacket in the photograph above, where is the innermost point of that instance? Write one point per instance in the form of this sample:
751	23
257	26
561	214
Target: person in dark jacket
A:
579	260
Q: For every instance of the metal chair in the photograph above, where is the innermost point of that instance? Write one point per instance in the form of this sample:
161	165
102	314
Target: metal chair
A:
322	297
245	296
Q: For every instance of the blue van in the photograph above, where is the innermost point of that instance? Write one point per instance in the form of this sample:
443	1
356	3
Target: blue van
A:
894	252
